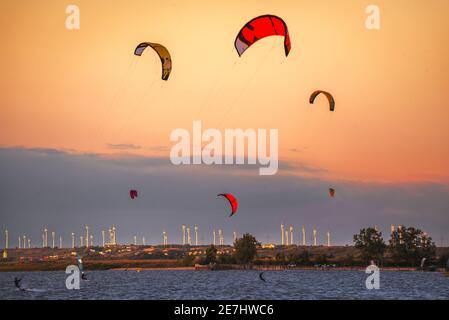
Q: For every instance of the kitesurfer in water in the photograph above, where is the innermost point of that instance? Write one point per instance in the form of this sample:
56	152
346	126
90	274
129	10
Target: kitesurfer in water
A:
81	268
17	283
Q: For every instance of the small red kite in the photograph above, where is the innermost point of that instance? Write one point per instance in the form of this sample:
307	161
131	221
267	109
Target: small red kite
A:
133	194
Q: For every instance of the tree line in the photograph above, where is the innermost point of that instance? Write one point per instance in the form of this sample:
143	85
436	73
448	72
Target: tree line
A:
407	247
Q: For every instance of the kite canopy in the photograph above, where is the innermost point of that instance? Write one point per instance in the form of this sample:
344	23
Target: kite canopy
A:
163	53
261	27
232	201
328	96
133	194
331	192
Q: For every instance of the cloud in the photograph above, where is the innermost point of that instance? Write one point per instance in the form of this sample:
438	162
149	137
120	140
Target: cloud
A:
159	148
64	191
123	146
48	151
301	168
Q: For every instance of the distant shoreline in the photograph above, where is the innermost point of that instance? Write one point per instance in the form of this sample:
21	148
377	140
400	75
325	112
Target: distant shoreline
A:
153	269
166	258
273	269
117	266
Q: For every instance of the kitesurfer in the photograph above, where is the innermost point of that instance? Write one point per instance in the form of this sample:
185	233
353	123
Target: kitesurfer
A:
17	283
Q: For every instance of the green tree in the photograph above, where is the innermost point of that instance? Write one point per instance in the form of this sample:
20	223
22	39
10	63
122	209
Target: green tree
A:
245	249
211	255
410	245
280	258
304	258
298	257
188	260
370	243
348	260
226	258
321	259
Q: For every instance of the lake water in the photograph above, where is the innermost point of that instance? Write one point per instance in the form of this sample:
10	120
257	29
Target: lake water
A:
291	284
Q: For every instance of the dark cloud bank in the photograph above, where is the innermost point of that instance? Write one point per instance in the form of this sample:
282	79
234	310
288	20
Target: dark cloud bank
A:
65	191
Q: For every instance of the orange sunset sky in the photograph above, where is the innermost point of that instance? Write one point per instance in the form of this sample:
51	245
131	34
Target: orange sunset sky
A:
84	90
